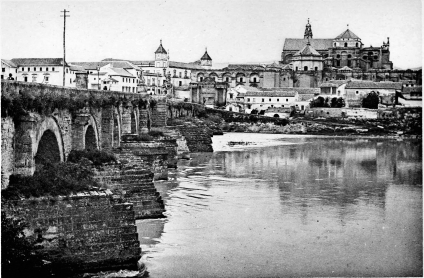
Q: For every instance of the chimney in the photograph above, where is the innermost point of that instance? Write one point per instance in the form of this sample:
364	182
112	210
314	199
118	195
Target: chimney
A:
81	79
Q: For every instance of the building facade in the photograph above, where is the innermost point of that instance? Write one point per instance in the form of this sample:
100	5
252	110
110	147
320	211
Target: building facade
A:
8	70
44	70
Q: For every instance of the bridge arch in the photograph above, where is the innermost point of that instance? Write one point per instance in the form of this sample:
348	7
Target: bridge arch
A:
91	135
48	143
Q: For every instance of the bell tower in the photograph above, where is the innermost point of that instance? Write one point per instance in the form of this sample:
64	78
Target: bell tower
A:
308	31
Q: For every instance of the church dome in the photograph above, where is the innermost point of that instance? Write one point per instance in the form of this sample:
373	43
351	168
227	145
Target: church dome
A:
347	35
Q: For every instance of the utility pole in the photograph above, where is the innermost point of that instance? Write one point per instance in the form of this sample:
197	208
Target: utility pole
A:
64	30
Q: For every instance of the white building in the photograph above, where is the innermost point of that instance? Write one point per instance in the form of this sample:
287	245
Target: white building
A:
307	59
44	70
120	76
8	69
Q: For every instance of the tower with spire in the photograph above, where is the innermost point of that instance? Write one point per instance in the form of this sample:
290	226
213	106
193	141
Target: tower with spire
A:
308	31
161	57
206	60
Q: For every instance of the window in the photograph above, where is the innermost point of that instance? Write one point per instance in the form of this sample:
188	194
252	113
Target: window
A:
231	96
284	79
29	69
326	79
357	92
94	78
47	78
41	69
35	69
345	44
278	99
248	99
23	69
305	68
227	79
230	108
180	74
3	69
316	68
356	44
254	79
335	44
338	56
287	100
263	100
2	77
201	78
47	69
297	68
270	100
26	79
70	80
180	83
123	79
241	79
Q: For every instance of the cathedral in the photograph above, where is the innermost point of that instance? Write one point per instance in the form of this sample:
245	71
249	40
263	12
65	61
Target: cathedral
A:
345	50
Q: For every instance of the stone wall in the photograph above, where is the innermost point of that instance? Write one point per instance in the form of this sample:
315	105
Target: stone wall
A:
199	139
7	150
159	113
134	184
326	112
84	232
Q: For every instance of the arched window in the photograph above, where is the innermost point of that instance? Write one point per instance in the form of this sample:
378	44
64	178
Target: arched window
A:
297	68
316	68
338	56
356	44
335	44
345	44
349	56
305	68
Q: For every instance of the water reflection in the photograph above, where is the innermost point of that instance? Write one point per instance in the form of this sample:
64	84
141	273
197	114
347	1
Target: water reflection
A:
302	207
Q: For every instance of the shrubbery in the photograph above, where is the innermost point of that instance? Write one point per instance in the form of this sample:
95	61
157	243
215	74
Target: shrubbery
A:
18	257
51	179
97	157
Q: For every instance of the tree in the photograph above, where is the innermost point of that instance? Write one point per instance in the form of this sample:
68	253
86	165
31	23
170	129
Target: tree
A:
371	101
318	102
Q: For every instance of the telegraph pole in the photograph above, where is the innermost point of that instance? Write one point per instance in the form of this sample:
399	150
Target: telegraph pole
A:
64	30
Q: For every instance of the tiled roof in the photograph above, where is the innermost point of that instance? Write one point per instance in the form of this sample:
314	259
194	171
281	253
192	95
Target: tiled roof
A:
77	68
307	50
114	64
345	68
139	62
9	63
333	83
260	93
305	97
161	49
244	66
206	56
38	62
300	91
408	90
120	72
347	35
373	85
182	65
317	44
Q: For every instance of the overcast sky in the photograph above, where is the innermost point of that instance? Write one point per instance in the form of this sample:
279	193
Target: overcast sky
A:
235	31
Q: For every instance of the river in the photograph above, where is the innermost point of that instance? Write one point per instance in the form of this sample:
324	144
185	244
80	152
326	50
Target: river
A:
265	205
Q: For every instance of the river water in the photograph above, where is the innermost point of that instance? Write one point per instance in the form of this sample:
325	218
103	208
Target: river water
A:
265	205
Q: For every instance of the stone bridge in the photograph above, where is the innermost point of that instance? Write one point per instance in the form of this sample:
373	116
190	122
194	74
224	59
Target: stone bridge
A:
47	122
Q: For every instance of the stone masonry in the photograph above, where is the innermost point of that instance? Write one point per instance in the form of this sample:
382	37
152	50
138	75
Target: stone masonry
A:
89	231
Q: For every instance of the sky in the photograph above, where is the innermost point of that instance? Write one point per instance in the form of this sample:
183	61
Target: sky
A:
234	31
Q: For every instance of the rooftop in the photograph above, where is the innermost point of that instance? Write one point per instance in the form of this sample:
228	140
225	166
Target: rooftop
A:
347	35
307	50
38	62
9	63
298	44
373	85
